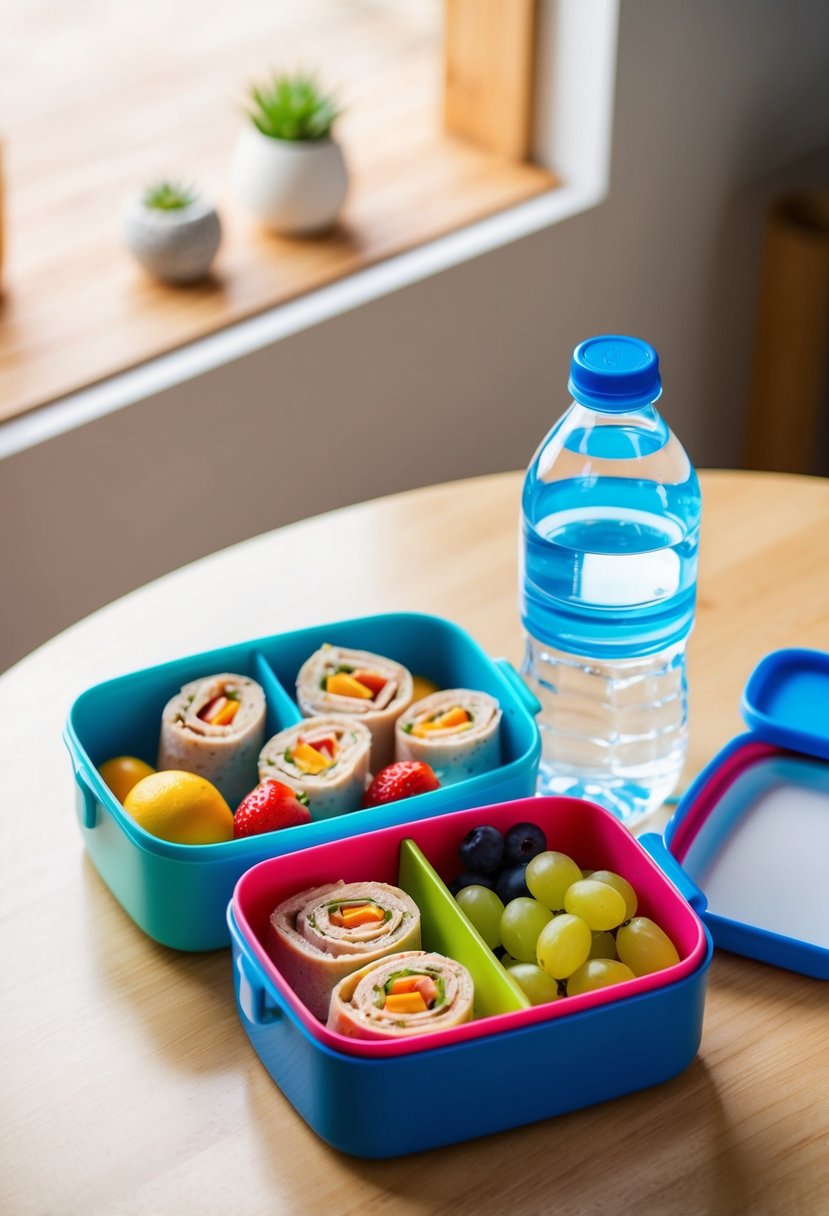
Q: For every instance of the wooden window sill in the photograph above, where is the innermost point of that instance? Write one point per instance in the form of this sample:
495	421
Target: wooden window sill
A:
76	310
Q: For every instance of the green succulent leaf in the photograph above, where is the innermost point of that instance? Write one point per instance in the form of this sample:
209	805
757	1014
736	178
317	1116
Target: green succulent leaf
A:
292	107
169	196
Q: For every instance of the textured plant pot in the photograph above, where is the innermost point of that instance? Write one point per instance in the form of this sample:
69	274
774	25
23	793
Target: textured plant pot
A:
175	246
291	186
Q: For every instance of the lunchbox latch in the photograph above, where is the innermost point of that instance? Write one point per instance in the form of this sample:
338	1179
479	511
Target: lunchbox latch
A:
527	698
87	802
655	847
253	999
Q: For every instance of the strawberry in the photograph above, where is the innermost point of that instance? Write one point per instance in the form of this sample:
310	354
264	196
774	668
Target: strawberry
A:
267	808
401	780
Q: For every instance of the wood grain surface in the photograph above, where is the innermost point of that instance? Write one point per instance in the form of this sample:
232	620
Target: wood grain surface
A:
489	73
126	94
128	1084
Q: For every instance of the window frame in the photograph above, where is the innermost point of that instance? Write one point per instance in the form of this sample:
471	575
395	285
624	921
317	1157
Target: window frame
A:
576	43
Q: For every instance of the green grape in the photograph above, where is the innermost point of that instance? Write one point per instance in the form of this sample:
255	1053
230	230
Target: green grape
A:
548	877
645	947
604	946
521	924
507	961
622	886
598	973
536	984
484	909
563	945
599	905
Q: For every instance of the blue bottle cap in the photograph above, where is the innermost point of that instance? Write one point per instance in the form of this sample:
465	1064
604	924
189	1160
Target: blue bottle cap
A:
615	373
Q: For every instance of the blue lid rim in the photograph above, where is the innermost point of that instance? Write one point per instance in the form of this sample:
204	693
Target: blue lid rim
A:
736	936
775	670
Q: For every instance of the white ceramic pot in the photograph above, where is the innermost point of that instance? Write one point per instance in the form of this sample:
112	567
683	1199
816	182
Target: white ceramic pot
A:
175	246
290	186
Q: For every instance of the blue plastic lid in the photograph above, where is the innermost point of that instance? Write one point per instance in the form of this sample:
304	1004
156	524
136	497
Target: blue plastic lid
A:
615	373
786	701
754	821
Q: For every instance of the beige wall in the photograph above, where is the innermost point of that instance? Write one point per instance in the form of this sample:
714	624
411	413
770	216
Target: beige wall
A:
720	103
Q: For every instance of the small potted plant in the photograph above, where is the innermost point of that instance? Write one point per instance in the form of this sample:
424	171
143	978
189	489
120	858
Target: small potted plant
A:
288	171
172	231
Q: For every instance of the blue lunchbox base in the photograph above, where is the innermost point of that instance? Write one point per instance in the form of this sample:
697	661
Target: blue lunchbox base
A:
480	1087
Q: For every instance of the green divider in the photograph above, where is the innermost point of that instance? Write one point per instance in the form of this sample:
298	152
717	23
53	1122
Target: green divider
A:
447	931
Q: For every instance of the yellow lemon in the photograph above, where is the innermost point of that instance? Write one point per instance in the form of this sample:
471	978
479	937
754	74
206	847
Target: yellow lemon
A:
122	773
180	807
421	687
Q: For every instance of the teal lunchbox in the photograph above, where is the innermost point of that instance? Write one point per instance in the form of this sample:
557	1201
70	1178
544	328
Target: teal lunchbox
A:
178	894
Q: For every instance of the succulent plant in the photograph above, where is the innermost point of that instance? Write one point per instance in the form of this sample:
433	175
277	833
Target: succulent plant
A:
168	196
172	230
293	108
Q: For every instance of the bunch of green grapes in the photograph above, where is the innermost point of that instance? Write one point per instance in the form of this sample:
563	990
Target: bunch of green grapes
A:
577	932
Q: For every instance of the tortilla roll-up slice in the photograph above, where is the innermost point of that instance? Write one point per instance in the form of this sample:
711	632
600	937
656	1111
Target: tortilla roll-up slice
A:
365	686
215	728
321	935
407	993
325	758
455	731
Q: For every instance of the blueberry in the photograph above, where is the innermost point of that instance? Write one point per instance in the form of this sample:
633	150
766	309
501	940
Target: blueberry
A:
482	849
512	884
523	842
468	879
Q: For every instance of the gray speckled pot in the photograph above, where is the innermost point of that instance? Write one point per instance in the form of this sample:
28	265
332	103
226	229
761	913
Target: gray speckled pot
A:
175	246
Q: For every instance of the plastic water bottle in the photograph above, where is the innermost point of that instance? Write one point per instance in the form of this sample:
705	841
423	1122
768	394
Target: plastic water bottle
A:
610	529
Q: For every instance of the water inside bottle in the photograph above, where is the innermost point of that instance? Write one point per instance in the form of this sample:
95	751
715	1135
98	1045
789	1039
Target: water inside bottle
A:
608	577
611	557
609	591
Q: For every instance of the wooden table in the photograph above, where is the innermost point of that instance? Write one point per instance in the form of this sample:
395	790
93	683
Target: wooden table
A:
128	1084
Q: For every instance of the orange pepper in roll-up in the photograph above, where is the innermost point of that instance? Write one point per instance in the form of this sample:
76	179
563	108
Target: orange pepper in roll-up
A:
309	759
341	684
366	915
226	714
405	1002
453	717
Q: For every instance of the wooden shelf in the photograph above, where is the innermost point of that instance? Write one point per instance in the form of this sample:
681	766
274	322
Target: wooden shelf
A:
137	92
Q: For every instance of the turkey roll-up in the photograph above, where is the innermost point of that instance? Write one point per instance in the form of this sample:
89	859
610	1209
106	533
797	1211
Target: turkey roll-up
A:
404	994
325	758
321	935
215	728
363	685
454	731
